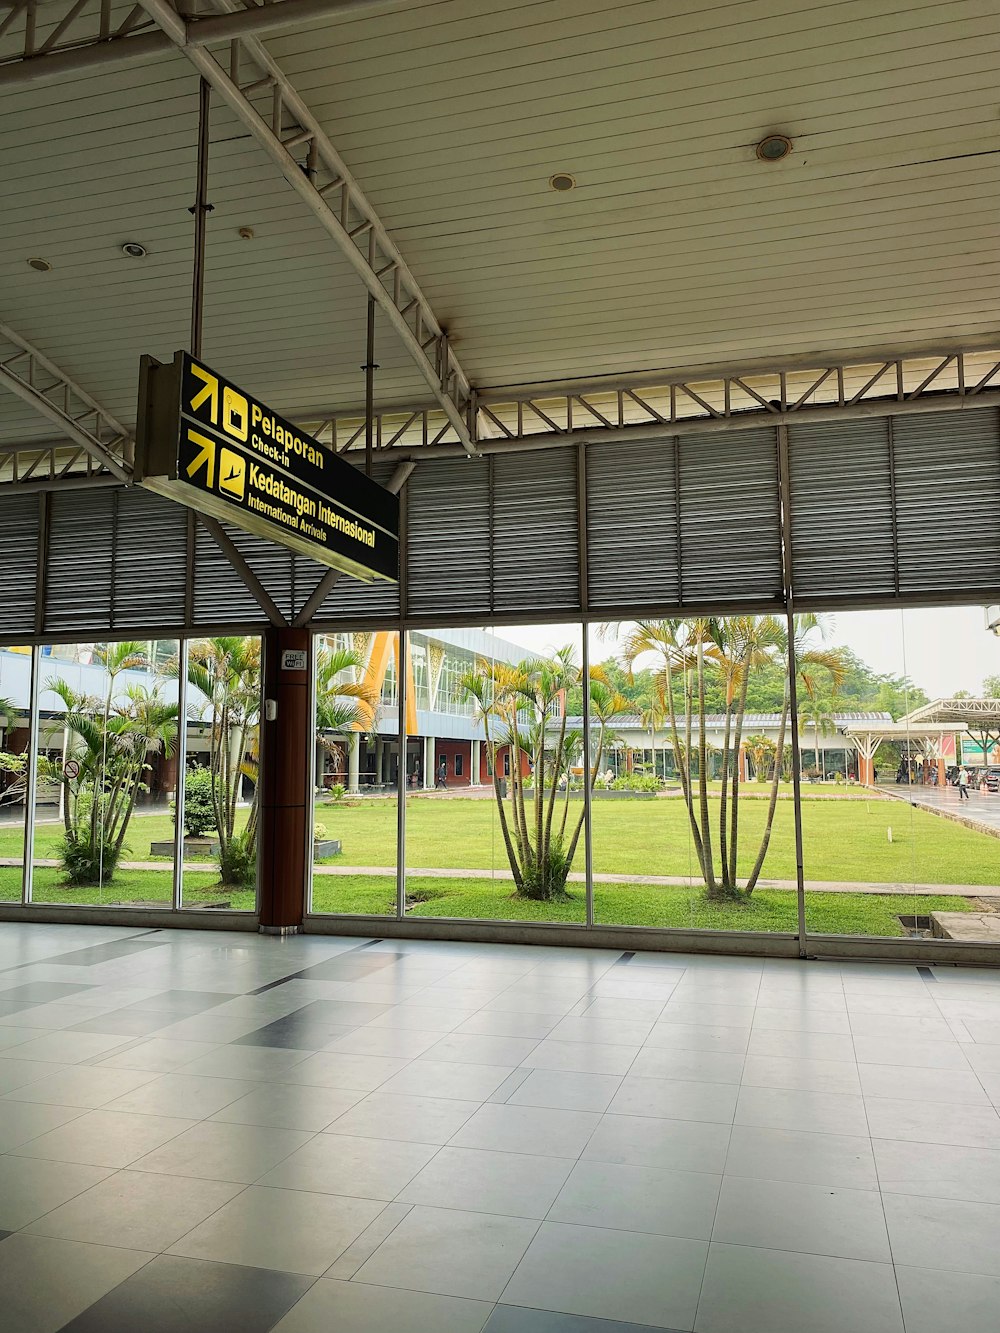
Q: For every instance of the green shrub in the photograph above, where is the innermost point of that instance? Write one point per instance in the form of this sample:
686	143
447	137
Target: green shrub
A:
636	782
84	863
238	862
199	813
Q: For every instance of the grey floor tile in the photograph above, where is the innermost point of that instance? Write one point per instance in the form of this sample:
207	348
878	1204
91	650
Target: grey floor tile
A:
328	1069
581	1057
353	1307
939	1170
31	1187
954	1086
345	1164
934	1300
193	1095
421	1017
772	1018
953	1234
528	1129
13	1036
384	1115
476	1180
802	1045
792	1108
915	1052
102	1138
123	1023
44	1282
213	1150
519	1319
932	1122
567	1091
16	1074
289	1034
639	1198
470	1048
291	1231
774	1291
496	1024
21	1121
66	1047
450	1253
446	1078
254	1063
88	1086
674	1099
173	1295
42	992
699	1037
399	1043
693	1066
809	1075
289	1106
160	1055
603	1031
796	1155
136	1210
812	1219
657	1278
889	1026
647	1141
712	1015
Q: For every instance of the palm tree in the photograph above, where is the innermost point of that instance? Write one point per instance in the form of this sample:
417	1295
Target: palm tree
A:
818	714
517	705
342	704
761	751
227	673
111	741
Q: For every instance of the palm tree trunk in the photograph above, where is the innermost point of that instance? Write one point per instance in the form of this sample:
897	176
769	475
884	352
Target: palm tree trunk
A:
559	758
773	801
684	770
723	795
706	825
734	829
512	857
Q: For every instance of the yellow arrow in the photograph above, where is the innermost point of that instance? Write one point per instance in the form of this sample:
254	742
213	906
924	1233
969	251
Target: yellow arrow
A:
210	391
206	455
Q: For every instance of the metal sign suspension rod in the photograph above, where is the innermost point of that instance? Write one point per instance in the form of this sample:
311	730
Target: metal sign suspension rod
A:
370	368
201	209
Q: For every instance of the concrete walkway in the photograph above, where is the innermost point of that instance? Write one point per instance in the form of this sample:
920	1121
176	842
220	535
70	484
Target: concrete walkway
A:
980	812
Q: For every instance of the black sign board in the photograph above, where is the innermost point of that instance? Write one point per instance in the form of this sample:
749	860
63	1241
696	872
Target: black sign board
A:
204	442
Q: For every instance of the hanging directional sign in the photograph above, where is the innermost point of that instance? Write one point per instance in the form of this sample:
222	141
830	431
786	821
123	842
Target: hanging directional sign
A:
211	446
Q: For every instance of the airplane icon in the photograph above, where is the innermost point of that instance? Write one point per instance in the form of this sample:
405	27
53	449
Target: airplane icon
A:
232	474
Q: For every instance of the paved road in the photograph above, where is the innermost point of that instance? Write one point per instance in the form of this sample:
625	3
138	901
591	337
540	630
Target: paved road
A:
979	809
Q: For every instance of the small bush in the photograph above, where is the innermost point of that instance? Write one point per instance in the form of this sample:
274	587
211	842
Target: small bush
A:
636	782
319	832
86	864
238	863
199	815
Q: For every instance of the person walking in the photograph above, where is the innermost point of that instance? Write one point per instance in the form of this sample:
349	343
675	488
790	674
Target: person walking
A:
963	784
442	775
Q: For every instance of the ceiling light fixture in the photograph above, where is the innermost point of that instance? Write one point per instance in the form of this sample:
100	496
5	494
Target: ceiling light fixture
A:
134	250
774	147
562	181
40	265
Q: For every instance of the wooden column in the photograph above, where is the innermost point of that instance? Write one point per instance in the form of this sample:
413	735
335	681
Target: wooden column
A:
286	798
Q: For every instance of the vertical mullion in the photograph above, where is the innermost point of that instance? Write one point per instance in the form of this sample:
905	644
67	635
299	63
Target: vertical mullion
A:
182	684
31	789
402	658
588	843
311	748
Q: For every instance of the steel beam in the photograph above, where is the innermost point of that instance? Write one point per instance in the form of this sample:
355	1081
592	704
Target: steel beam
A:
82	39
36	380
260	594
264	101
797	389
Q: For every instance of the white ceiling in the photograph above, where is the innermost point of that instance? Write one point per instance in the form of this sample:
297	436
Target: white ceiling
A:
677	248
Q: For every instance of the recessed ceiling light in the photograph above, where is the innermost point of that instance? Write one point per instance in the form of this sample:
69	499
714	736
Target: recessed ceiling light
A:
40	265
774	148
562	181
134	250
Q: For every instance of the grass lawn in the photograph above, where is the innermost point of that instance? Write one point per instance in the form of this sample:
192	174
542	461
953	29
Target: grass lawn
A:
844	840
628	905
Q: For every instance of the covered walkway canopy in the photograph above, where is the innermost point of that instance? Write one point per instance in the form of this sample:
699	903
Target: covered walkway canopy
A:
934	727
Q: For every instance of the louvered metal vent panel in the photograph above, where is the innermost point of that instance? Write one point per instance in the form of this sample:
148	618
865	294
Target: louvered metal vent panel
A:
80	562
273	564
841	509
448	539
350	599
19	528
947	468
220	595
536	550
150	572
730	546
632	524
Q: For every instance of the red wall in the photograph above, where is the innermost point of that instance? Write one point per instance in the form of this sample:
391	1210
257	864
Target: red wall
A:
448	750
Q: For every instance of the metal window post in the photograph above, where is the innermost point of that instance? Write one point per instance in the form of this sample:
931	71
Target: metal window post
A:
182	684
201	208
588	843
31	789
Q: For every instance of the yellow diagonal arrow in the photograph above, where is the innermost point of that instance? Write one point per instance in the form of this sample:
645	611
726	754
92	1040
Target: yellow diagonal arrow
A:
205	454
210	391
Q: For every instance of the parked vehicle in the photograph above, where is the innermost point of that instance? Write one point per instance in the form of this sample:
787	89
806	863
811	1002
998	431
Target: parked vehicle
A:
991	777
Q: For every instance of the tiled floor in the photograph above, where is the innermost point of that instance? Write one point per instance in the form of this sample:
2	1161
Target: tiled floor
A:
206	1133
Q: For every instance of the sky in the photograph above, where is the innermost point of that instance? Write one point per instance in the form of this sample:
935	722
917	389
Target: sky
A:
942	650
